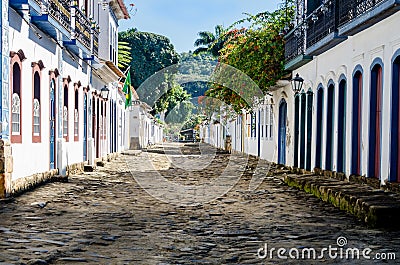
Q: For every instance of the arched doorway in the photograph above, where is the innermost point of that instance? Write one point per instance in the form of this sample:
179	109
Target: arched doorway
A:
320	112
309	128
282	132
395	123
375	116
52	116
303	131
356	121
85	121
330	116
296	129
341	153
94	122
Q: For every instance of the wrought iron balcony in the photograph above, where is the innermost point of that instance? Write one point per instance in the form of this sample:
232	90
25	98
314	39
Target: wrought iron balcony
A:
62	16
53	15
82	28
60	10
321	23
349	10
354	16
295	48
295	43
95	42
331	23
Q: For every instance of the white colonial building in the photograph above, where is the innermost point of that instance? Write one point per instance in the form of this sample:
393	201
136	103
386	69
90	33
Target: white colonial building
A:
59	57
144	129
346	116
252	133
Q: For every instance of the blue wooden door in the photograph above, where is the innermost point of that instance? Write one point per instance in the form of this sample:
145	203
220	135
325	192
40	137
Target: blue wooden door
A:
341	155
309	128
85	127
320	111
356	120
296	129
395	124
52	124
303	101
259	134
375	122
330	127
282	133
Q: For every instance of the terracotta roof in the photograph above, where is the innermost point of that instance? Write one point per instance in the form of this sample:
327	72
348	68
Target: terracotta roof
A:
115	69
123	8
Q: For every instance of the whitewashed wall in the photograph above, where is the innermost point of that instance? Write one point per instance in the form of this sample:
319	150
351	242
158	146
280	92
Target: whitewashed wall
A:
30	158
361	49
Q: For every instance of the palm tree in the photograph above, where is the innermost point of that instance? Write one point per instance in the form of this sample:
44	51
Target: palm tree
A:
124	55
210	42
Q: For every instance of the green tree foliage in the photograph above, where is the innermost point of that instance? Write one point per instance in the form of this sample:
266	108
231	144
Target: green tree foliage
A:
257	51
193	122
181	112
193	71
210	42
150	53
124	55
173	96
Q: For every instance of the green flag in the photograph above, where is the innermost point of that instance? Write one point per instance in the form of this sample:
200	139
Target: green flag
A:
127	90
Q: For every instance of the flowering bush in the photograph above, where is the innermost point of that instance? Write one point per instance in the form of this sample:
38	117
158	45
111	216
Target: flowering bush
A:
258	52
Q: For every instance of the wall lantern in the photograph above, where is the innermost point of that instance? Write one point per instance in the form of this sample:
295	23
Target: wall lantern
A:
104	92
104	4
297	83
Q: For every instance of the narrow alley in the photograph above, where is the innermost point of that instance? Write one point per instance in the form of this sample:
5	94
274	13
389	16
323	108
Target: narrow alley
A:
106	217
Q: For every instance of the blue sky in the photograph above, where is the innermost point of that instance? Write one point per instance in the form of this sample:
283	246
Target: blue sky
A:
181	20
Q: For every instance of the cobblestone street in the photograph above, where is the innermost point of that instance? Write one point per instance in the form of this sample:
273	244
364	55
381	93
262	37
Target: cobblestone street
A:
106	217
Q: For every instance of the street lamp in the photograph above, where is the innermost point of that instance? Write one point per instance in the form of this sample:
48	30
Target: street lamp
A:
297	83
104	4
104	92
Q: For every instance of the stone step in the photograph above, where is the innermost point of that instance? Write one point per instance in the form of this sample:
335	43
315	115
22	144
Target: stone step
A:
375	208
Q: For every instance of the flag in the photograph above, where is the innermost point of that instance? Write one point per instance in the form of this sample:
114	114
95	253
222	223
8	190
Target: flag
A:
127	90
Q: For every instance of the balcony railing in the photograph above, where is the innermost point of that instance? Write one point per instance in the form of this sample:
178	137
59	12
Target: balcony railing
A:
295	43
96	42
321	23
82	28
332	22
60	10
349	10
55	16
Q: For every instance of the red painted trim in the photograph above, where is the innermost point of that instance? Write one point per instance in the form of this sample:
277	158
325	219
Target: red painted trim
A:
66	84
76	107
36	69
15	59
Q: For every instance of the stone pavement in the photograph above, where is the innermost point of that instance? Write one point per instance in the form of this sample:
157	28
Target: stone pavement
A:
106	217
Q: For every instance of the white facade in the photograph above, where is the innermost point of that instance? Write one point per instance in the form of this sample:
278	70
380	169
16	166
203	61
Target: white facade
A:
325	124
44	49
144	131
53	112
254	134
355	84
